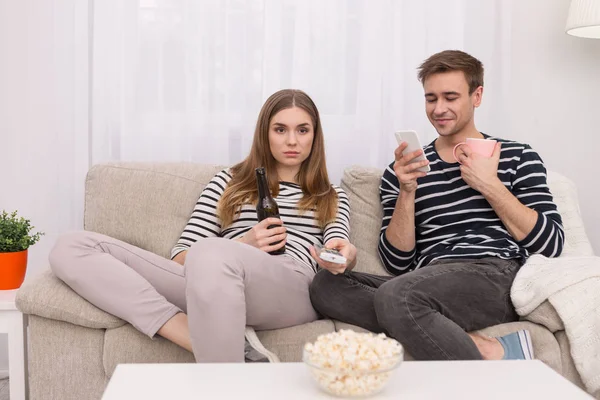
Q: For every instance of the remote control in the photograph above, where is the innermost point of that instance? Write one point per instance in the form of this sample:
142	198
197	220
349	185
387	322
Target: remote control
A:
330	255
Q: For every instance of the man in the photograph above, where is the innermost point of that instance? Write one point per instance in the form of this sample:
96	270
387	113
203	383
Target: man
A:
455	236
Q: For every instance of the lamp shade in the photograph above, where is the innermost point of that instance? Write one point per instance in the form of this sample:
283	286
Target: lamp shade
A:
584	18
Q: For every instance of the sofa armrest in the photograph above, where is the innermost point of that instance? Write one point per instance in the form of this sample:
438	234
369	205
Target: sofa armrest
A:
48	297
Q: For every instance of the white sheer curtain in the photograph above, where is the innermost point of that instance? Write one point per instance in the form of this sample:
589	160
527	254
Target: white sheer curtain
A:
44	116
43	120
184	80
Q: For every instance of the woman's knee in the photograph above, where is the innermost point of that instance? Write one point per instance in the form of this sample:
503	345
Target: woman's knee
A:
65	256
210	254
209	247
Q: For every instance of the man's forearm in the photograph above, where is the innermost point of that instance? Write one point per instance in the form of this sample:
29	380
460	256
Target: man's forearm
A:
401	229
518	218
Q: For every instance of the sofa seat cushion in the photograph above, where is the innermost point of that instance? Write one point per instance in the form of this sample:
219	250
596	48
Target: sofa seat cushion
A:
343	325
569	370
545	314
47	296
127	345
288	343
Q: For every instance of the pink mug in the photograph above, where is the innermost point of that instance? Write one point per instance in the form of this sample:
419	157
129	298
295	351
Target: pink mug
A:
485	147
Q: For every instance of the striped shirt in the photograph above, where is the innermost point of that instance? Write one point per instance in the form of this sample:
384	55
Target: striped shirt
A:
302	228
452	220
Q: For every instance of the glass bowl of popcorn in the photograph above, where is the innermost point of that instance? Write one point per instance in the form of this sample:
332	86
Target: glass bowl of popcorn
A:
351	364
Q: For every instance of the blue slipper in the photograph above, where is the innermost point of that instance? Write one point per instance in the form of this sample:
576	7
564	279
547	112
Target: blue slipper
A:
517	345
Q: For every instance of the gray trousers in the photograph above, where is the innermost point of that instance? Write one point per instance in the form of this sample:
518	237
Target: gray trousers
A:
429	310
224	286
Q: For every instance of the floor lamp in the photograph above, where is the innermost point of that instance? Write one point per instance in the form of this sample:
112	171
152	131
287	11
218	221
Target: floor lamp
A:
584	19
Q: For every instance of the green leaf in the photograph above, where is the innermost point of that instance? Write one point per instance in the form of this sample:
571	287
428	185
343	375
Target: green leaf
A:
15	233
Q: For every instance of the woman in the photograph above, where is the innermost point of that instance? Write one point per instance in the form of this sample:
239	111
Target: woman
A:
221	277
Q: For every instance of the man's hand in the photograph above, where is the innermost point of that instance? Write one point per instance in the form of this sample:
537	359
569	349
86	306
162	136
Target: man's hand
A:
345	248
406	172
479	172
266	239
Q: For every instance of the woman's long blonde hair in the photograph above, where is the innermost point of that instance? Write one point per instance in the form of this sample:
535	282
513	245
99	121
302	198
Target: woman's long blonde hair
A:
312	177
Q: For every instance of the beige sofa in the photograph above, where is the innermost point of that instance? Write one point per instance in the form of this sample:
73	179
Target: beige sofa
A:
75	347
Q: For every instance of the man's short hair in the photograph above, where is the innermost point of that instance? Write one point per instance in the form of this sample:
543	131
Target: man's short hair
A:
453	60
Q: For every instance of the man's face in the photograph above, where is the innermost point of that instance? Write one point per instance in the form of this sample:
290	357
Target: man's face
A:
448	104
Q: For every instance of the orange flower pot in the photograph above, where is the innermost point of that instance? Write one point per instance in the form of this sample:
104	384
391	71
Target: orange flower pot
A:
12	269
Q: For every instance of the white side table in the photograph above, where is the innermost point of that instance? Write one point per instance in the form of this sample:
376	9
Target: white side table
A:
15	324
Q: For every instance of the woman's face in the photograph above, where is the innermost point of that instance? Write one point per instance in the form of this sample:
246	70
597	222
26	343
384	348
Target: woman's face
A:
291	135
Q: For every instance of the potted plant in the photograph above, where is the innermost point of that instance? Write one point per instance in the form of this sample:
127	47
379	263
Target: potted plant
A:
15	239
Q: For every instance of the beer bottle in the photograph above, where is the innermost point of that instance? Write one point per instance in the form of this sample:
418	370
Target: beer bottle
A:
266	206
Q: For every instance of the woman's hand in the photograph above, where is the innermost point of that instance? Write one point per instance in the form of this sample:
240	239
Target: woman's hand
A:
266	239
180	258
345	248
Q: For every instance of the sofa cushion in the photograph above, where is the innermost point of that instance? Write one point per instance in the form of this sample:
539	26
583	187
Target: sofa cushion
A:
567	202
145	204
47	296
569	370
288	343
545	314
126	344
362	187
339	325
343	325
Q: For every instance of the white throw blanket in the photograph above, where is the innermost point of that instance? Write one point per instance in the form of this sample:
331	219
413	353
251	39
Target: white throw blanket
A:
572	286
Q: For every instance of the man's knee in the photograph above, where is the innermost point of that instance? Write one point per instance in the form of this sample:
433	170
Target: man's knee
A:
322	289
392	304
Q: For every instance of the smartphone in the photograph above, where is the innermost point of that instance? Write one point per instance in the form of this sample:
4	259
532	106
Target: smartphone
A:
330	255
412	139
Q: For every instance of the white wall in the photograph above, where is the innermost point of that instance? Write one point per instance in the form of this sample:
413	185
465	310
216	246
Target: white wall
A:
43	118
3	355
555	82
44	108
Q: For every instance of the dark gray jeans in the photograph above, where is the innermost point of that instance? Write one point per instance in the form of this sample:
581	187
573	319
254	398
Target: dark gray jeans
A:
429	310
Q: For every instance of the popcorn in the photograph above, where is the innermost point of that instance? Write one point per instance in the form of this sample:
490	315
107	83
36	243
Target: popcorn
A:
347	363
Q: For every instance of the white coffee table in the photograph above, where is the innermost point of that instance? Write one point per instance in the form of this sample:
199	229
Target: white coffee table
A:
15	324
413	380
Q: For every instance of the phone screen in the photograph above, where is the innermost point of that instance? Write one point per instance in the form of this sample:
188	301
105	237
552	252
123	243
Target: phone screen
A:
414	144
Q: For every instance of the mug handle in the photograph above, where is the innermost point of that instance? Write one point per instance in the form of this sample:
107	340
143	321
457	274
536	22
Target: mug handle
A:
454	151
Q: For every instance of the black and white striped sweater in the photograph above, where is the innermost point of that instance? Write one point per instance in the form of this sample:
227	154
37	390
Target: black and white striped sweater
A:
302	228
452	220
